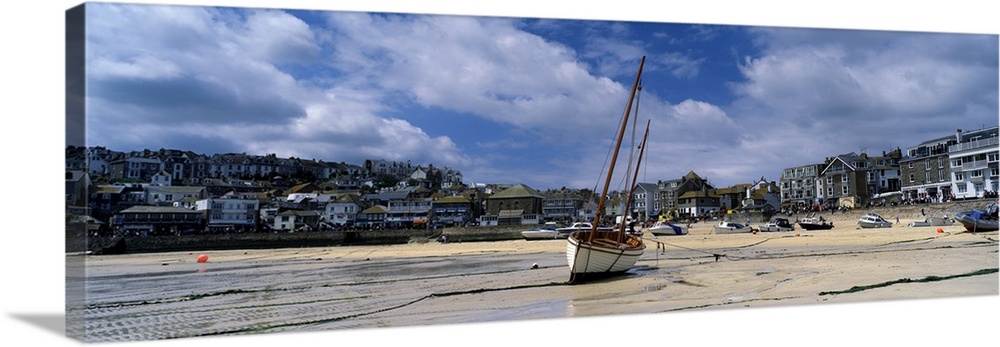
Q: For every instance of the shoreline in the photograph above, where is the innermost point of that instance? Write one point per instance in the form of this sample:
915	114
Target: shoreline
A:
77	242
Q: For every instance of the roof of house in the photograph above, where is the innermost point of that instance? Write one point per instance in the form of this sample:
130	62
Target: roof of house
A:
303	188
302	213
395	195
649	187
517	191
377	209
108	189
452	199
348	198
697	194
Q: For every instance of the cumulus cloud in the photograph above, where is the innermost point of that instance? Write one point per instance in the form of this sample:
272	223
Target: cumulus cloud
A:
483	67
209	79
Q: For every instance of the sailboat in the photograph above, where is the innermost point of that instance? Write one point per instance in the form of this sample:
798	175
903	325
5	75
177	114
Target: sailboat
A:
593	253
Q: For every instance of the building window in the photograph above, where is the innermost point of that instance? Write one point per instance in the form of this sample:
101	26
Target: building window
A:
843	178
911	178
940	175
977	173
959	176
927	177
845	190
829	179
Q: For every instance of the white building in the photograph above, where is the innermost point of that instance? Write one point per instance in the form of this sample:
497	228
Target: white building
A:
229	214
342	211
974	161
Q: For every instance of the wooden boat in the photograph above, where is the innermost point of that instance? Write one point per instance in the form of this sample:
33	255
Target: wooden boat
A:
596	253
727	227
979	220
873	220
665	228
815	223
777	224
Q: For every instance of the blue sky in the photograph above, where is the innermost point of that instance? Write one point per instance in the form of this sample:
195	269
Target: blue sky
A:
520	99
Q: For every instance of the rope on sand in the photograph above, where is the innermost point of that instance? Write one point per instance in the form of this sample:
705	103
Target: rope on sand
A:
662	245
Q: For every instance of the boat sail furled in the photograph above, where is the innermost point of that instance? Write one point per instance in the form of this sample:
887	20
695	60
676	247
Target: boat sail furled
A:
597	252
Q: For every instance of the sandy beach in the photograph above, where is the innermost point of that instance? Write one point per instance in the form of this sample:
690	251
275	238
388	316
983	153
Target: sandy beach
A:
171	295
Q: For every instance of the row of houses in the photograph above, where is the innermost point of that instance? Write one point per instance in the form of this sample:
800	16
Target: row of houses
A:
959	166
963	165
171	166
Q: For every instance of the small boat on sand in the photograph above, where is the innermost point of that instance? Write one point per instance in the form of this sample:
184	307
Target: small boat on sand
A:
979	220
665	228
873	220
933	222
777	224
815	223
726	227
544	232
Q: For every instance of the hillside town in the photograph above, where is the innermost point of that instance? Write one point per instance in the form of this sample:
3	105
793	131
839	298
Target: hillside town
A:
177	192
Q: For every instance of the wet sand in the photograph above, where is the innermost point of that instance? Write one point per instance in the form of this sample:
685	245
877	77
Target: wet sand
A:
170	295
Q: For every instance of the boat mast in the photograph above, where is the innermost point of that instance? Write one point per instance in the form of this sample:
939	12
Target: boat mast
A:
614	158
635	176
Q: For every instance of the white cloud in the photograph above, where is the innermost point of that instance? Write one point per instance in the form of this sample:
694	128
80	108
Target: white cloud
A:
210	79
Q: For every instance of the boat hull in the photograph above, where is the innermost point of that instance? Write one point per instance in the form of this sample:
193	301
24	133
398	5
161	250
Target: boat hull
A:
874	225
932	222
812	226
873	221
723	230
973	221
667	230
540	235
774	228
601	256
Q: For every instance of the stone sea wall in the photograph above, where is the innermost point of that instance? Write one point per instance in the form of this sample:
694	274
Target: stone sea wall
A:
77	240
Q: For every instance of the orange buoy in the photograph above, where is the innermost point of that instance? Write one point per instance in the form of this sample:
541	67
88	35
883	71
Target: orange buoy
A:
796	234
203	258
940	231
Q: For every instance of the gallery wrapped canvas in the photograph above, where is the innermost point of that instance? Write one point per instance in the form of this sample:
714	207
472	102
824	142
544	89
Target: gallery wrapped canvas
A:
246	172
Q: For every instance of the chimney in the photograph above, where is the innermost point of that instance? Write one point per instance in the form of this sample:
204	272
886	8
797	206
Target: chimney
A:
958	135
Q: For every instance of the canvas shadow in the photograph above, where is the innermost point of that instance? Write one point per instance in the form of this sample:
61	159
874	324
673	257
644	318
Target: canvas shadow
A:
52	322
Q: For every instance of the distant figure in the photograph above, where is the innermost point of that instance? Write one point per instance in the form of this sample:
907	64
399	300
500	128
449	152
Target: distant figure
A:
922	212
